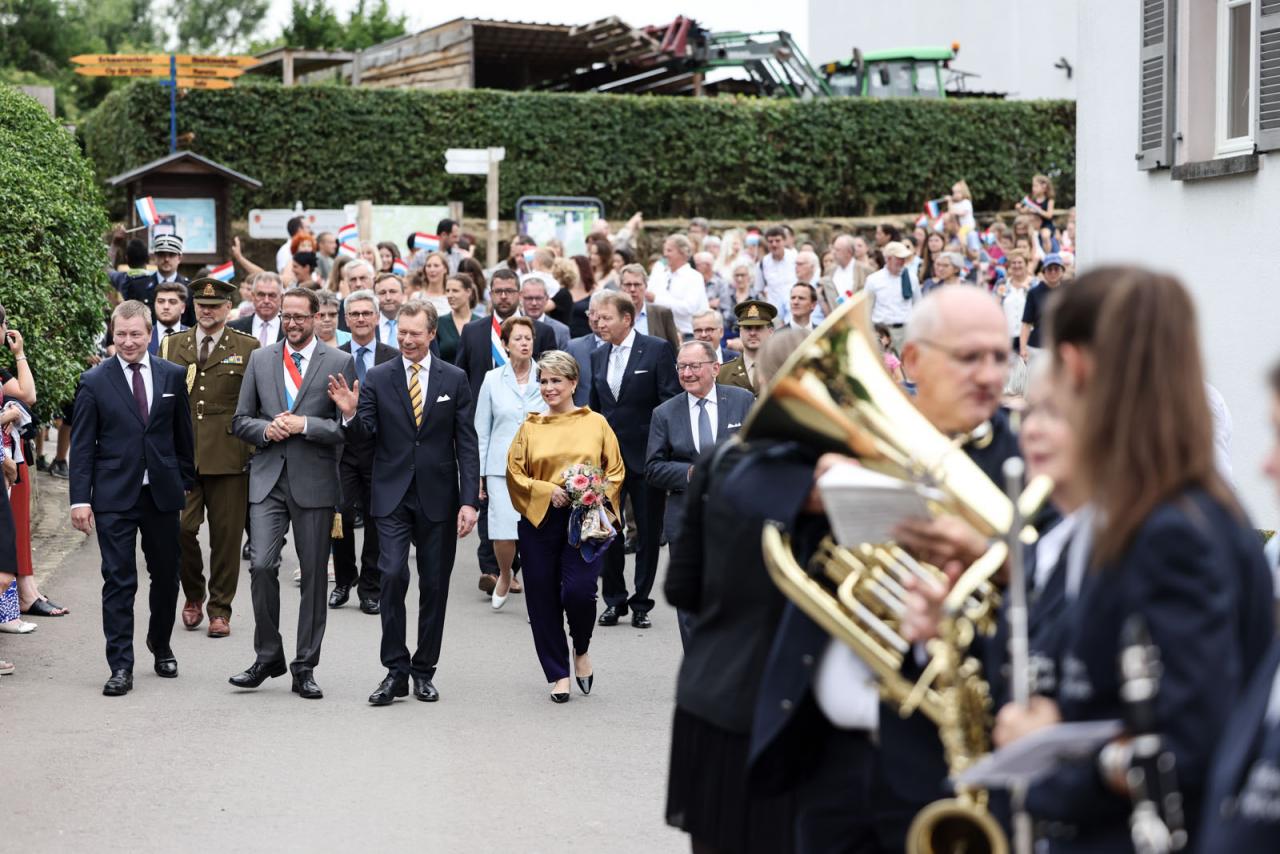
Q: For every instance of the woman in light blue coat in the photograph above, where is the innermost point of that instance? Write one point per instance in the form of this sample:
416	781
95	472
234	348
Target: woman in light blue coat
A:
509	393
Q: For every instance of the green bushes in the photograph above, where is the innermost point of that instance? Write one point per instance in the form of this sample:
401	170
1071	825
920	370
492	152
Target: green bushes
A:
51	250
666	156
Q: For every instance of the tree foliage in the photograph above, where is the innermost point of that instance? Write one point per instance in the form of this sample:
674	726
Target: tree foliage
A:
748	157
51	229
314	25
217	25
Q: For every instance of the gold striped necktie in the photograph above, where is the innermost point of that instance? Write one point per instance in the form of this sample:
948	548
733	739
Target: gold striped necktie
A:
415	394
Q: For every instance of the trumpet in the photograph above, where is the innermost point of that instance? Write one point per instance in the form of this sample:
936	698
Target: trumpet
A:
833	394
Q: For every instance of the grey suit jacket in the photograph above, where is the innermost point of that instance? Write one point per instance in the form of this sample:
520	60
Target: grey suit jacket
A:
662	324
672	451
581	349
561	331
311	457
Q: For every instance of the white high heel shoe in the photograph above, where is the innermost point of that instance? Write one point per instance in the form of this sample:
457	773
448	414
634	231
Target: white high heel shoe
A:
499	601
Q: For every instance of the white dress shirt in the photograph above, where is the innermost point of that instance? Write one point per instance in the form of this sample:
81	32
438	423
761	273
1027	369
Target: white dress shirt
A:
842	278
684	292
618	357
273	329
422	374
387	330
890	308
642	321
776	279
712	413
845	689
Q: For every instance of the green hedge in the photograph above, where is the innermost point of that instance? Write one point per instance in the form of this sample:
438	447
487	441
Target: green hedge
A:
51	248
332	145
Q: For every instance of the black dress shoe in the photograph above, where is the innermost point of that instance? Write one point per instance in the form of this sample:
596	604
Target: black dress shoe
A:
304	685
166	664
584	683
341	593
370	606
257	673
560	698
611	615
120	683
388	690
640	619
424	690
244	551
629	547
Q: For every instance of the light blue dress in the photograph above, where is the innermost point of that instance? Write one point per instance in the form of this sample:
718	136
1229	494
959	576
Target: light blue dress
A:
501	407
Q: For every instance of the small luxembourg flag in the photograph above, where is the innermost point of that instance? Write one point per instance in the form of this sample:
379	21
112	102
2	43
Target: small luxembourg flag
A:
223	272
1028	203
425	242
933	209
349	233
399	267
495	343
923	221
147	210
348	250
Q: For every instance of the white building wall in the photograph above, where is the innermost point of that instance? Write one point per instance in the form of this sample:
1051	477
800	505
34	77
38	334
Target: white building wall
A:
1217	235
1013	45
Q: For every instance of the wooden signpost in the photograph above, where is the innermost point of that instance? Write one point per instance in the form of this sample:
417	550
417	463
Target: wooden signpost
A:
183	70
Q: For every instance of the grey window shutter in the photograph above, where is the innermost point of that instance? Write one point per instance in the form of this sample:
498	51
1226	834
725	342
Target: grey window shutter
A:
1155	92
1266	135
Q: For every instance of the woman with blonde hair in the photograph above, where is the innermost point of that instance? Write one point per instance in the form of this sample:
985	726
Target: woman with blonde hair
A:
566	273
435	269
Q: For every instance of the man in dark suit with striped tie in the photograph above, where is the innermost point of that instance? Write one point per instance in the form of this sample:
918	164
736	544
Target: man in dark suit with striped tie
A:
356	467
417	411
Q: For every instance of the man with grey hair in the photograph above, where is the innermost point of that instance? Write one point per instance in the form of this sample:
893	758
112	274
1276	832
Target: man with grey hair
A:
718	291
358	276
843	282
355	466
677	285
533	302
708	326
686	427
264	324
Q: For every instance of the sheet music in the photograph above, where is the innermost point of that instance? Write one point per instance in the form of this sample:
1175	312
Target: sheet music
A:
1034	756
864	505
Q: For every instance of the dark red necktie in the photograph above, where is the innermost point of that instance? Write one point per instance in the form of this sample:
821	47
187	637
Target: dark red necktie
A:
139	391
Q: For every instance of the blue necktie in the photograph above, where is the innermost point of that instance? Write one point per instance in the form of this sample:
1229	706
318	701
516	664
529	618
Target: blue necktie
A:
906	286
360	368
705	439
297	362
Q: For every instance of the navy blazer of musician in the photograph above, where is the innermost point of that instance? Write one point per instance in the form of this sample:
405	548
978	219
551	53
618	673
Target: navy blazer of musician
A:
648	380
441	457
112	448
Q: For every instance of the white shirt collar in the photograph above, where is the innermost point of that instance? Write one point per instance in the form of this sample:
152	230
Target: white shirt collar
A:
425	363
710	399
258	322
628	341
145	361
306	351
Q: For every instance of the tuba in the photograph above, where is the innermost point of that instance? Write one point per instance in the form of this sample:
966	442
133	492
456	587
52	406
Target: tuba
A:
833	394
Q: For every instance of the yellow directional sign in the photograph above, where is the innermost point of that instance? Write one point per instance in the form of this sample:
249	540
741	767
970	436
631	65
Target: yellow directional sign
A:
122	70
203	83
162	60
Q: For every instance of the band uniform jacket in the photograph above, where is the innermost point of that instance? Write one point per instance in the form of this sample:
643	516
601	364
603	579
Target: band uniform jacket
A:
734	373
214	390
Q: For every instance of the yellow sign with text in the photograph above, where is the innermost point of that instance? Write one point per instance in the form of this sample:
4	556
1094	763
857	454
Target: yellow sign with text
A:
162	60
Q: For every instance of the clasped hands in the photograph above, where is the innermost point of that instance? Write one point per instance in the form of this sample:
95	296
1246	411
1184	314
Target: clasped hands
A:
284	425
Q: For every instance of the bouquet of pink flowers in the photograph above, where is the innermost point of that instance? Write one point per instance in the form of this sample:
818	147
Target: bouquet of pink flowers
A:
589	527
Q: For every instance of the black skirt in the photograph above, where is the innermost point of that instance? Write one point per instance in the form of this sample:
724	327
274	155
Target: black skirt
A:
707	795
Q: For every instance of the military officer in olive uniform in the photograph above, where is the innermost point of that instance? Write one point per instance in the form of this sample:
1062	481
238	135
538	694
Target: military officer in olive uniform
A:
215	356
755	325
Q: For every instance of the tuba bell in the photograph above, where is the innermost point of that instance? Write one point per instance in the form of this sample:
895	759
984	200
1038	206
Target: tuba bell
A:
833	394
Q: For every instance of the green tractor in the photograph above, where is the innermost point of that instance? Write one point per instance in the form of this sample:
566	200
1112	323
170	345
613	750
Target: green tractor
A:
918	72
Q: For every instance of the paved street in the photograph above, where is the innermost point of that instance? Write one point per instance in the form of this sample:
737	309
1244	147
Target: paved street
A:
192	764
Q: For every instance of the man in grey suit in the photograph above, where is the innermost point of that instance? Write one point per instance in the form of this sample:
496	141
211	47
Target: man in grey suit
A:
687	426
285	412
581	349
533	302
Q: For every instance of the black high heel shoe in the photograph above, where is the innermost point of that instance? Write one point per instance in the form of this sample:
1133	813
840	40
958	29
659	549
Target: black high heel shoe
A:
560	697
584	683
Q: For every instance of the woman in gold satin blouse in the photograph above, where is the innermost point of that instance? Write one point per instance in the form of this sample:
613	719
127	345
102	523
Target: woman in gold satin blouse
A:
559	582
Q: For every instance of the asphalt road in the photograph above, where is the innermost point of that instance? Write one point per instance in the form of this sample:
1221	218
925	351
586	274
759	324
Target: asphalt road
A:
192	764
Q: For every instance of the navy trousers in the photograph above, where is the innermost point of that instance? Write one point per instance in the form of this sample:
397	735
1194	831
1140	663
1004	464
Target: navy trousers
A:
558	584
161	546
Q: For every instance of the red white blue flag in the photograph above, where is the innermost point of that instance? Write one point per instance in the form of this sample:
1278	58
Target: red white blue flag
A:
399	267
423	242
495	342
147	212
933	209
223	272
292	379
349	233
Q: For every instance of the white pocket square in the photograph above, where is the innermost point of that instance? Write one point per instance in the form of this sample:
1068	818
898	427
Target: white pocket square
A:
645	371
442	398
167	394
731	426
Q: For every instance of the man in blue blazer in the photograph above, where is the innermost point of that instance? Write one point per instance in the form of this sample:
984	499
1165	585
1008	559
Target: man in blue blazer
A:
581	348
132	462
688	425
629	379
426	479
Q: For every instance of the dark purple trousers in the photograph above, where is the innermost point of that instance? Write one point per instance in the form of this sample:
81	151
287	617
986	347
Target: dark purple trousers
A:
558	583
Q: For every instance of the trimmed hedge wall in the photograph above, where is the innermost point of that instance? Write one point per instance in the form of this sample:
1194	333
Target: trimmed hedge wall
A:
330	145
51	228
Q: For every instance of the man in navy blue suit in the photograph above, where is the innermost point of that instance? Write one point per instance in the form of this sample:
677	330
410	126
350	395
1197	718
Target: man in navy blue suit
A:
131	465
629	378
417	411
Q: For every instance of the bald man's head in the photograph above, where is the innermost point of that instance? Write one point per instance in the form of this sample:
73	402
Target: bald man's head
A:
957	352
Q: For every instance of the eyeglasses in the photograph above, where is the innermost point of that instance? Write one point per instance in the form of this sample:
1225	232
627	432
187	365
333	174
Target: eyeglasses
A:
503	292
295	318
690	367
359	314
970	359
531	298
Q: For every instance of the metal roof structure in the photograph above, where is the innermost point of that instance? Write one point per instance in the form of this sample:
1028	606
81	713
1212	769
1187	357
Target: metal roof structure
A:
188	162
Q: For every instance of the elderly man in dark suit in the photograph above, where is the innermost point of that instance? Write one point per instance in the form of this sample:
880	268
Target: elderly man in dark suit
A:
629	379
264	324
356	467
688	425
131	465
285	412
426	481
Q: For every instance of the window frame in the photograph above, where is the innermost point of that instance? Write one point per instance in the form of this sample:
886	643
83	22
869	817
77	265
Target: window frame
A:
1224	146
